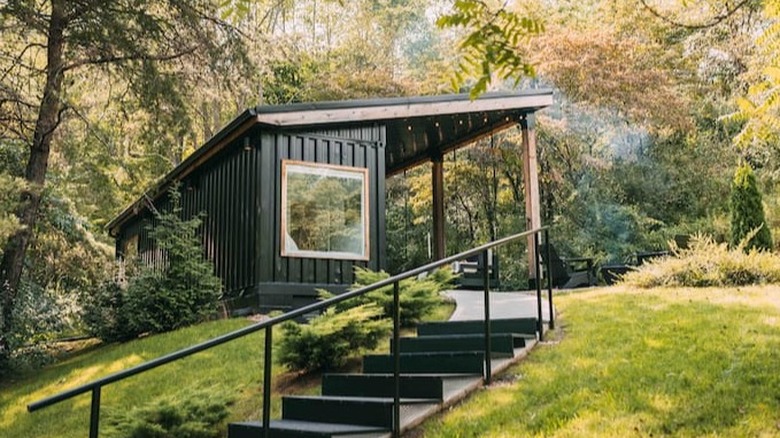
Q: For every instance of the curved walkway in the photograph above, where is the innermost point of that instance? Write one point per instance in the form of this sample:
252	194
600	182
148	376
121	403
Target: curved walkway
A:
470	305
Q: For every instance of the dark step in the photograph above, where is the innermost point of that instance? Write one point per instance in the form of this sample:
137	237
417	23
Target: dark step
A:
303	429
520	326
466	362
364	411
501	344
427	386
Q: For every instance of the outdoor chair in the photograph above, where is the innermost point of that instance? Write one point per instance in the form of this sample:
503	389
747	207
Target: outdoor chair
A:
471	271
566	273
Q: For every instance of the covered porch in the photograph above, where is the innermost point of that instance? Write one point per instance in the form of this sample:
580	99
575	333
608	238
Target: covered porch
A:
420	130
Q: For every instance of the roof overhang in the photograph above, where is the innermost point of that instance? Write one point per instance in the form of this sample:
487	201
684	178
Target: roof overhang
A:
376	110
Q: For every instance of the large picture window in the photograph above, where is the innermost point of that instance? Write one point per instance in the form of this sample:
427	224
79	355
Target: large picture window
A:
324	211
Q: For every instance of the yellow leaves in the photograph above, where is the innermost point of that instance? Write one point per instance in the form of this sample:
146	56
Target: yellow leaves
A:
745	105
760	108
773	73
609	71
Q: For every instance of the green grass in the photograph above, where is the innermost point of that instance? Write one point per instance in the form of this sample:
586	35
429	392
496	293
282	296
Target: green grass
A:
235	367
658	362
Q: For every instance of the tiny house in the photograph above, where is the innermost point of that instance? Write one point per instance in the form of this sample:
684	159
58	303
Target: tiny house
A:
293	196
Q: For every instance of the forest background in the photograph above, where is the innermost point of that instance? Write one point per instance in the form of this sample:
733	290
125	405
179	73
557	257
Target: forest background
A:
656	104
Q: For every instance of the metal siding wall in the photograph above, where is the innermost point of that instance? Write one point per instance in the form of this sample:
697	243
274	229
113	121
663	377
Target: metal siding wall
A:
222	191
239	192
266	234
347	147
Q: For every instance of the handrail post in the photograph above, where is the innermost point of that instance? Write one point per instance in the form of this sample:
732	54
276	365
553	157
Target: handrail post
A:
94	414
549	278
539	325
488	349
396	361
267	369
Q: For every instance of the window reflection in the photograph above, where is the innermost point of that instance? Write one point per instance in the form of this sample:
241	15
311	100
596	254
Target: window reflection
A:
324	211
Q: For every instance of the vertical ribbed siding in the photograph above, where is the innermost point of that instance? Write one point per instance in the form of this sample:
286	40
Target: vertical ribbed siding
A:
354	148
238	193
222	191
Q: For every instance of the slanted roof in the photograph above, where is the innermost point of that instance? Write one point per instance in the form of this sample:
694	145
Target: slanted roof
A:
418	128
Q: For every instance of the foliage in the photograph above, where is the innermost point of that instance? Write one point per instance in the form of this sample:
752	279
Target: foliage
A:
418	297
65	260
186	414
179	293
758	109
747	211
40	317
607	70
707	263
490	46
661	362
8	199
328	340
358	324
105	316
185	290
46	46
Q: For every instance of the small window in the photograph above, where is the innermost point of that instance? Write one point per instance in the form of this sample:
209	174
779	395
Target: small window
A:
130	248
324	211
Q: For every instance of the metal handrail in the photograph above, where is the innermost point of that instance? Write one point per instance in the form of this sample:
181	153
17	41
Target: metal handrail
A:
267	324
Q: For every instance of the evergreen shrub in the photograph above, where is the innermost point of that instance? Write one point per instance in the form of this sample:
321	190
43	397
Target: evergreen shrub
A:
181	291
747	211
418	296
188	414
328	340
354	326
707	263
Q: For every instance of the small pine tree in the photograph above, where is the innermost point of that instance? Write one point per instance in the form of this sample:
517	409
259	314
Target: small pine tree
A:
185	289
181	291
747	211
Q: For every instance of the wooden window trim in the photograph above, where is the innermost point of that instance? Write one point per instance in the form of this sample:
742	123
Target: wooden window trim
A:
365	204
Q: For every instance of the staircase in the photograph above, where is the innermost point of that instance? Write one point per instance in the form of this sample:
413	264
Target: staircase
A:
441	365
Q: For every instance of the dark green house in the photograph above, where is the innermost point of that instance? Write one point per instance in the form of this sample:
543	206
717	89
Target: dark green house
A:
294	195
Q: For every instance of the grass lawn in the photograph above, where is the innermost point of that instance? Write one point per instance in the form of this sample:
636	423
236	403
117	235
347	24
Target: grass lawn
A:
236	367
623	362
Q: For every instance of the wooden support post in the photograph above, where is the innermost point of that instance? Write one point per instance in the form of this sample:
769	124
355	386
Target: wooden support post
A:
439	242
533	217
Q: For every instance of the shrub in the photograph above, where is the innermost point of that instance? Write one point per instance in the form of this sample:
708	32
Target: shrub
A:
181	292
185	290
39	317
747	211
188	414
328	340
418	296
104	315
707	263
359	324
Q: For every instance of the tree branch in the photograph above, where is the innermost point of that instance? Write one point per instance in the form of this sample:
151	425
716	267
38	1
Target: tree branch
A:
125	58
16	61
713	22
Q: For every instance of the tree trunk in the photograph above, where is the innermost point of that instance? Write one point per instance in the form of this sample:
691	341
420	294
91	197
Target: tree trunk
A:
14	252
